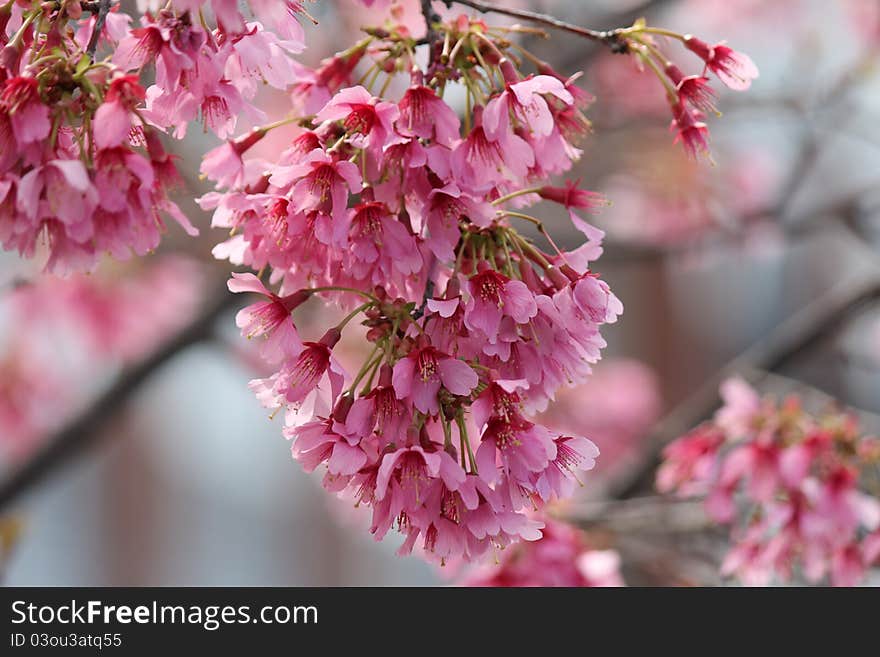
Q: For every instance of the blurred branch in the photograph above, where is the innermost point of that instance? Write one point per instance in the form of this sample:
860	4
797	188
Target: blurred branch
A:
84	429
832	102
15	283
625	251
649	514
11	528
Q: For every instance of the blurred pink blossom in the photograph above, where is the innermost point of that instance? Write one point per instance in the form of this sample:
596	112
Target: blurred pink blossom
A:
562	557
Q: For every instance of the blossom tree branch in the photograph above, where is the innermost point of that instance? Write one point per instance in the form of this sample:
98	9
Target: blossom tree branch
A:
101	11
610	38
431	34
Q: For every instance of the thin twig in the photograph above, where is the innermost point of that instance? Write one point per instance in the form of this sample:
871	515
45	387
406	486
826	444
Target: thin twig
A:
102	10
431	34
610	38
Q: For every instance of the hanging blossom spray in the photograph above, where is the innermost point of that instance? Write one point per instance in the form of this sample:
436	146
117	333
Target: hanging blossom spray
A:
404	211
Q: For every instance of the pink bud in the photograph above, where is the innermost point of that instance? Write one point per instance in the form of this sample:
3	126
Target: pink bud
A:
331	337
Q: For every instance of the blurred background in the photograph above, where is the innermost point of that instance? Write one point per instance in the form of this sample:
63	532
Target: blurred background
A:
765	258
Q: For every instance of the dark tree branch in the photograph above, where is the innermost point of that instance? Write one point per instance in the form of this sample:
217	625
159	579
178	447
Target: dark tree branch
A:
103	8
610	38
431	34
577	57
85	429
13	284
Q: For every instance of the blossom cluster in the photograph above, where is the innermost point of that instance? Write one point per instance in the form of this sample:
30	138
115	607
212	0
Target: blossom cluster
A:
562	557
399	200
690	97
83	170
404	209
403	213
800	490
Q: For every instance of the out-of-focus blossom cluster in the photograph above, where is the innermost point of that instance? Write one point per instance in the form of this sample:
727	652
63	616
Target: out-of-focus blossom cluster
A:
659	201
561	557
800	491
63	336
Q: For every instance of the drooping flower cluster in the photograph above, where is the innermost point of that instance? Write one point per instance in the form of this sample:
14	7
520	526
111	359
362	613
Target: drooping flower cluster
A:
211	74
404	213
562	557
690	97
800	491
82	168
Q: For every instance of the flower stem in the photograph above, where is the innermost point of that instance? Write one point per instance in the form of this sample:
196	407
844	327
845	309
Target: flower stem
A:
333	288
610	38
512	195
370	362
465	442
354	313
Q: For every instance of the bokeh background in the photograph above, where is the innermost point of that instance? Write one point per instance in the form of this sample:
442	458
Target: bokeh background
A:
769	251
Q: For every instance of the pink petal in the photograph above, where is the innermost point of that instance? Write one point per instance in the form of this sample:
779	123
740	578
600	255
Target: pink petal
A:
424	395
402	377
111	125
458	377
444	307
486	462
247	282
74	172
519	302
346	460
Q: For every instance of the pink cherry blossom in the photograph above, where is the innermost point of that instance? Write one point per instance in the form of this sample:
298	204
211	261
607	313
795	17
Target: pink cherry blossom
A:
690	129
446	207
479	162
269	318
526	103
423	114
494	296
320	184
22	106
114	118
422	373
368	121
562	557
735	69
